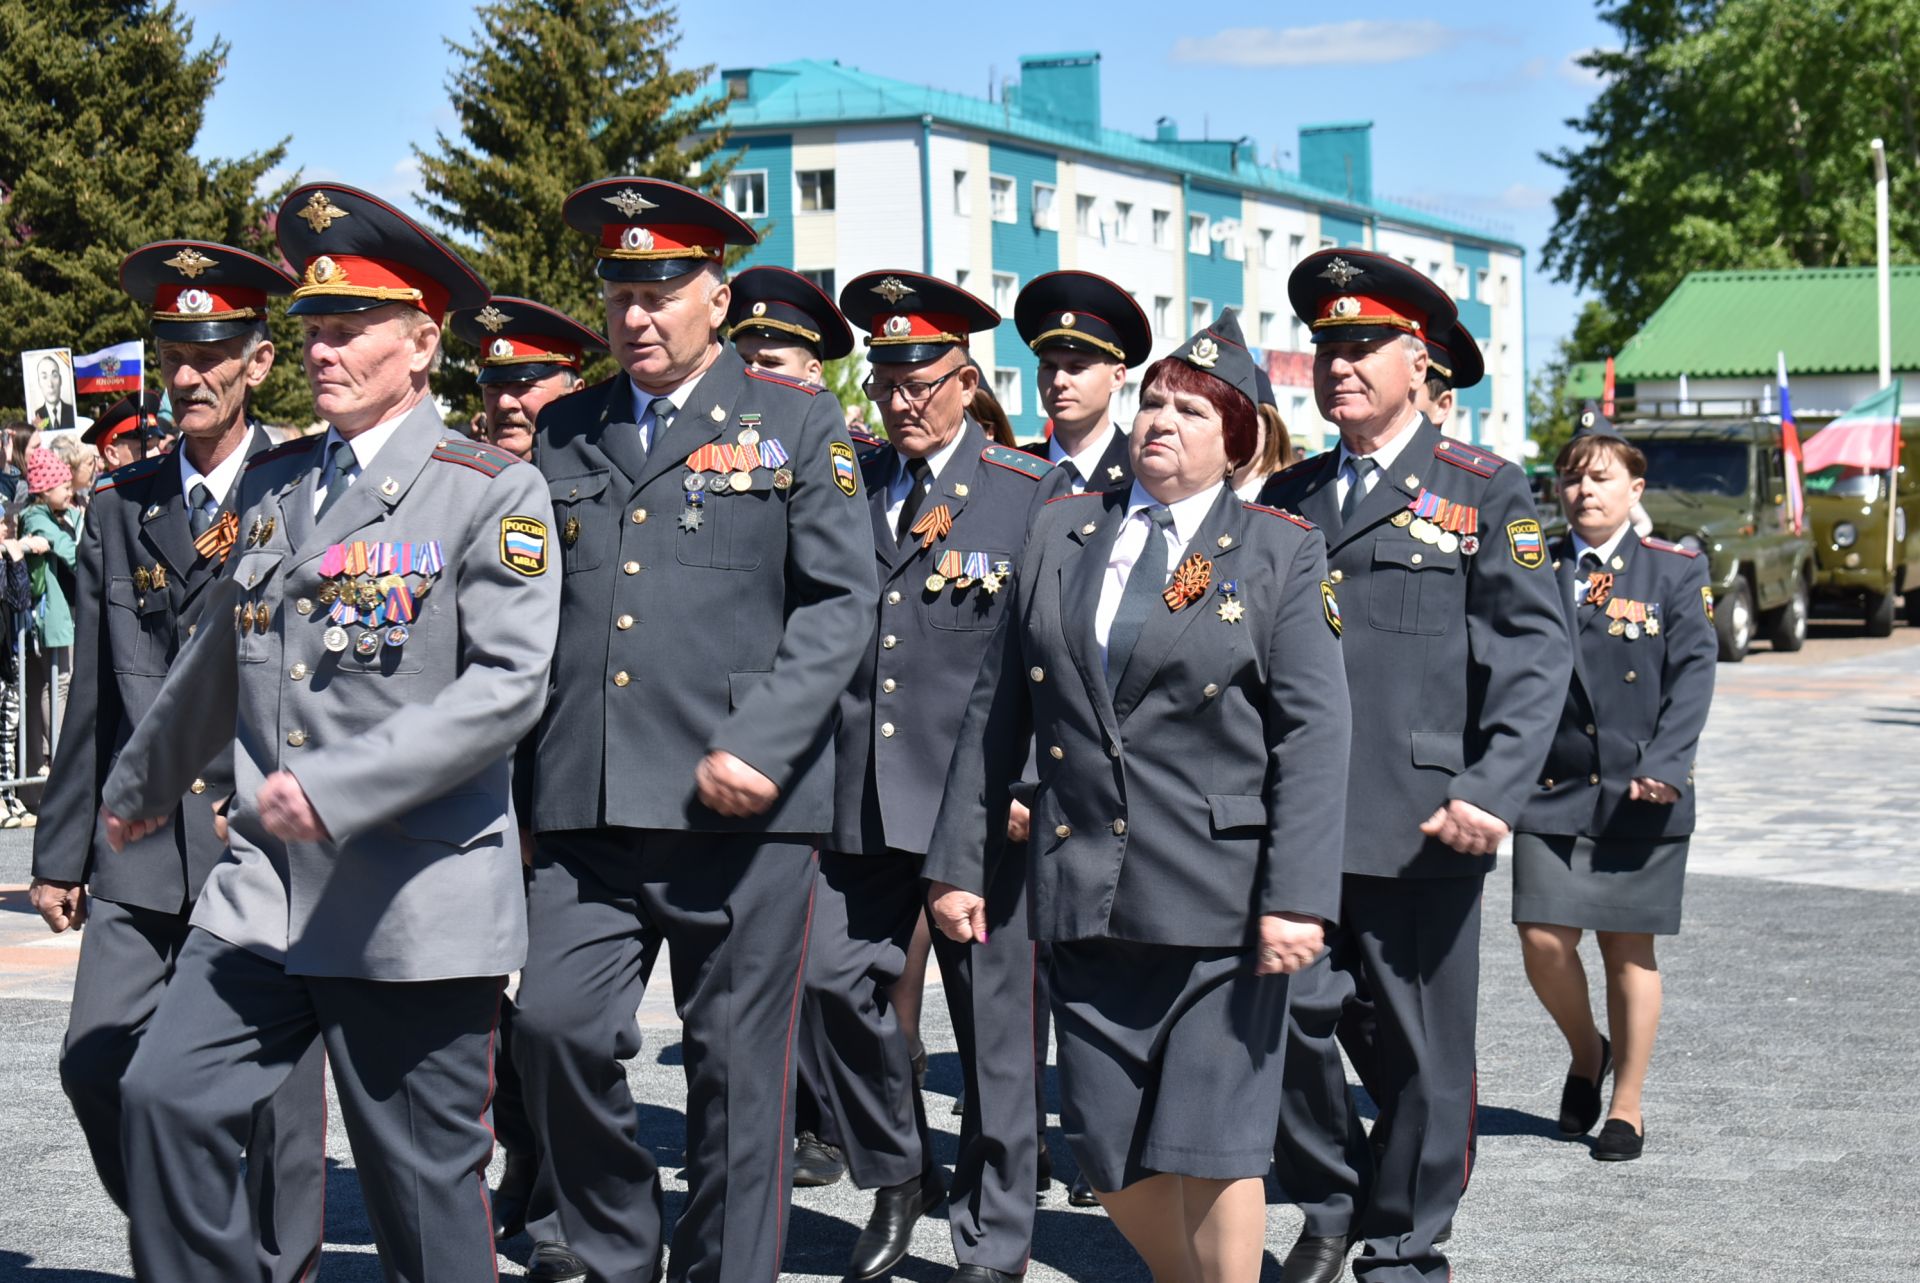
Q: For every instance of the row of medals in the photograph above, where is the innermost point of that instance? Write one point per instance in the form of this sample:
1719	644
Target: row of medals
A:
1630	630
698	487
364	594
1426	532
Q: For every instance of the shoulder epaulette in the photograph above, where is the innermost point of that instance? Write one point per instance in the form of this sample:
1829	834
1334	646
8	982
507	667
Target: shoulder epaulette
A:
478	455
785	380
286	448
1470	458
1016	461
132	472
1648	541
861	441
1084	494
1301	522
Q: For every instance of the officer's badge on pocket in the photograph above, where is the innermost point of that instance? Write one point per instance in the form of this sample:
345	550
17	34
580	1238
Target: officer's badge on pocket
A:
523	545
1529	549
845	472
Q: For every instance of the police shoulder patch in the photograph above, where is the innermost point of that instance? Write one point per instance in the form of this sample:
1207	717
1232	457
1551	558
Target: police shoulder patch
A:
523	545
1650	542
1016	461
1330	604
785	380
478	455
1470	458
840	455
1524	541
1301	522
134	471
1706	599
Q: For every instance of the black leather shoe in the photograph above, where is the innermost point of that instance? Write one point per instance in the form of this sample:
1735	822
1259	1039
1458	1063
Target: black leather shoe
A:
1081	1194
981	1274
510	1200
1618	1142
1043	1169
554	1262
1580	1099
1315	1259
815	1162
883	1244
959	1105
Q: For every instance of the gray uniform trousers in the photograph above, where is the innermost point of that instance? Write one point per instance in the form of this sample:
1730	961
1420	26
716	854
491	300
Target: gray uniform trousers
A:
127	956
413	1066
1414	944
734	911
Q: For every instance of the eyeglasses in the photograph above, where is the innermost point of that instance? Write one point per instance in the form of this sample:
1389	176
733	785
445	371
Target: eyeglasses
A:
916	394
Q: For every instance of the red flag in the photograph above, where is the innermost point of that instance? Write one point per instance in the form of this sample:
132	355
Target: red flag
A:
1867	436
1606	393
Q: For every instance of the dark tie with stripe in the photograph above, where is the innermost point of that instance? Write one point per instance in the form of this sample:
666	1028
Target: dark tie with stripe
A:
919	472
337	476
1145	582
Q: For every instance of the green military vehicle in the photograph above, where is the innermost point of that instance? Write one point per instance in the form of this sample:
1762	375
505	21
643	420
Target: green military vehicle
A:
1718	487
1847	517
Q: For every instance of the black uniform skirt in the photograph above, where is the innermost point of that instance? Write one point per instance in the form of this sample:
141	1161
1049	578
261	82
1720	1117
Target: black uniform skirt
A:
1169	1060
1599	885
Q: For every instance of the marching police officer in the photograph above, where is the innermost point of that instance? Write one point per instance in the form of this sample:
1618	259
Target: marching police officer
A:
156	537
718	585
1456	657
530	356
392	619
1087	332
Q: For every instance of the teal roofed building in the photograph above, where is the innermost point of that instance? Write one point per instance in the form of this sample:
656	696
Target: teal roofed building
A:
848	172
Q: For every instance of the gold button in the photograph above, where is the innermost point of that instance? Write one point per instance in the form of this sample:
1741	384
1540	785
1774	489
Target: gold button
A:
893	598
298	672
1211	690
1546	784
889	642
296	738
1415	558
198	786
1226	541
1632	676
1057	753
960	491
1064	831
889	685
1337	576
1089	528
620	678
1593	779
886	730
1119	828
304	605
1037	673
639	516
632	567
1590	729
1113	750
623	623
192	629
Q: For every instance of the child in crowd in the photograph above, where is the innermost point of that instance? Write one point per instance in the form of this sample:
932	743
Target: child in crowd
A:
49	530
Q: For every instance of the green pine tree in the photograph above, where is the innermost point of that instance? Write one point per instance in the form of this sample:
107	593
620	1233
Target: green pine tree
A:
100	104
552	94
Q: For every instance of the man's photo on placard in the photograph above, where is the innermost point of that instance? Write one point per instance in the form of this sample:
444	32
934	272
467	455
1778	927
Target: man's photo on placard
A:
48	375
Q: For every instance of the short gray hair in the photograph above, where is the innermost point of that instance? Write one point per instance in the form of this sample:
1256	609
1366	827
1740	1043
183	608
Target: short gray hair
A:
414	319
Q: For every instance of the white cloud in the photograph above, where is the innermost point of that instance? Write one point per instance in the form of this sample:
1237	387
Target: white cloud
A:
1331	44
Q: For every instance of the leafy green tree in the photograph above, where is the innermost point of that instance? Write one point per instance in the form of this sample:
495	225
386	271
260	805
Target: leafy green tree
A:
551	94
100	104
842	378
1733	134
1552	408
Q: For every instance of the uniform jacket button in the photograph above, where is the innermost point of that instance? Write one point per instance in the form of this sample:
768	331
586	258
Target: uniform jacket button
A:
1546	784
296	738
1210	690
889	642
1337	576
1590	729
1593	779
1415	559
1119	828
1037	673
889	686
886	730
199	786
1063	831
620	678
893	598
639	516
632	567
1057	753
298	672
304	605
623	623
1632	676
1113	750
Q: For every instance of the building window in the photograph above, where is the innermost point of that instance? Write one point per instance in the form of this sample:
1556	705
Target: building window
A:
1462	424
1162	313
816	190
1300	335
821	276
960	277
1044	215
1129	402
1266	248
1123	221
1199	312
1197	234
1480	285
1296	246
1083	216
1006	287
1000	198
1270	335
1328	242
747	193
1435	272
962	194
1505	281
1006	390
1162	223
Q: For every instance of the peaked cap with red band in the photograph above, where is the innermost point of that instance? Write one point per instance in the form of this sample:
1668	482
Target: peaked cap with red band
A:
354	251
1455	357
787	308
137	412
201	291
522	341
911	317
651	230
1353	295
1082	313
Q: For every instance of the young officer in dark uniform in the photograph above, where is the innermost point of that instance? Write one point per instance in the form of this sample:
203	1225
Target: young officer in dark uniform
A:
156	537
949	517
377	645
1453	363
1602	844
1456	656
133	427
1088	332
718	586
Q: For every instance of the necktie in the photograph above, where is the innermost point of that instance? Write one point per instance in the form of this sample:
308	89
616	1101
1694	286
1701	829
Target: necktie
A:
1145	582
199	509
661	408
920	472
1075	482
1363	467
337	476
1589	566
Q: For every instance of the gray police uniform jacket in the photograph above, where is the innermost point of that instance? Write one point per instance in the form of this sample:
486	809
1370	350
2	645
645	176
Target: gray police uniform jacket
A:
1458	663
128	629
1113	472
405	751
901	715
739	634
1211	788
1636	704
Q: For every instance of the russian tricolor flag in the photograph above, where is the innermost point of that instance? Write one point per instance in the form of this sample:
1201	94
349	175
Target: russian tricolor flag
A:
111	369
1790	444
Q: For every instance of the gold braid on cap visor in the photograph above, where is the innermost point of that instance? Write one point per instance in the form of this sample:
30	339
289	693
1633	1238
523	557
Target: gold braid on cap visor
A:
889	340
532	358
1079	337
237	314
1397	322
684	251
768	323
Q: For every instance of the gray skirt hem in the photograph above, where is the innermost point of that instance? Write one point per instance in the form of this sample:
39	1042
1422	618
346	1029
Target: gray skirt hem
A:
1567	880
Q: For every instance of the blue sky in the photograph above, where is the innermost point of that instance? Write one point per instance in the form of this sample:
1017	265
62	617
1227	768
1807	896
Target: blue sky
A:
1463	98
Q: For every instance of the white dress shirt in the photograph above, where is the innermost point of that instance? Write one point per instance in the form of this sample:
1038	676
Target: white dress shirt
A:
220	480
1087	460
903	480
643	404
1605	552
365	446
1188	513
1386	456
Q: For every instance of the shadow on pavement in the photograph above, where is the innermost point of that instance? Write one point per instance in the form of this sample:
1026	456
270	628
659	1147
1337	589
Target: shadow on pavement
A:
18	1265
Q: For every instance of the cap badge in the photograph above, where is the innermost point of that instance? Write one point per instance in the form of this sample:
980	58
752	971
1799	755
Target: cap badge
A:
194	302
898	327
1067	319
1341	273
759	309
1346	305
501	347
320	212
491	318
321	270
1205	353
636	238
190	262
892	289
1586	418
629	201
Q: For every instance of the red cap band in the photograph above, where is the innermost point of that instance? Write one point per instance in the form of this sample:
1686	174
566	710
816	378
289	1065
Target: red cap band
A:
1364	309
350	276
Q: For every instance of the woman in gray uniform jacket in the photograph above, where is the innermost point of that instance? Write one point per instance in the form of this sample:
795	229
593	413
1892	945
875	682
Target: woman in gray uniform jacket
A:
1602	845
1173	654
